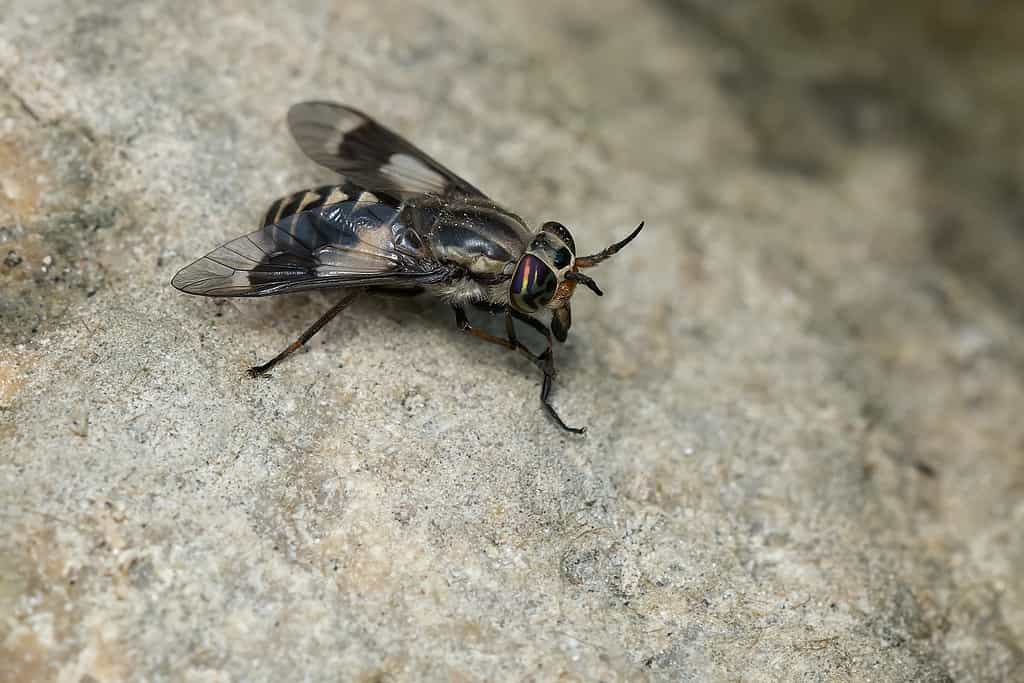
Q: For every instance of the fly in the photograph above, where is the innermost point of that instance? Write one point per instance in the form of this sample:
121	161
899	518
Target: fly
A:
400	224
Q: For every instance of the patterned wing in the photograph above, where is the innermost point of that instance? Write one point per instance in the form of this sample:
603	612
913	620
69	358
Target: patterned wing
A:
353	243
351	143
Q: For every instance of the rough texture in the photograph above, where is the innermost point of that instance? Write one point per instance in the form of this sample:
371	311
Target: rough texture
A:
803	385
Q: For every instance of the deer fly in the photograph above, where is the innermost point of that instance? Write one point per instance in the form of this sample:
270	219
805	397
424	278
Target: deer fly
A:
400	224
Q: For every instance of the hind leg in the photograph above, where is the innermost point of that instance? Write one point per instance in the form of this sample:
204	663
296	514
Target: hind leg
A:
337	308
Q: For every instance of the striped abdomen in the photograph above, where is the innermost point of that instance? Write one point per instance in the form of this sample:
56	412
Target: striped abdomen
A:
310	199
326	237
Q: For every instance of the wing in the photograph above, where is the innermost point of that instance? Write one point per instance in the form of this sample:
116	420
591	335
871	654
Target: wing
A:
368	154
352	243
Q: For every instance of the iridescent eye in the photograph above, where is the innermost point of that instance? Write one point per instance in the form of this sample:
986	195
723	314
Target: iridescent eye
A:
533	285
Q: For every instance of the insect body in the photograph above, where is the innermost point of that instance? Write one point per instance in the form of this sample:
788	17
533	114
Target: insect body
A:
401	223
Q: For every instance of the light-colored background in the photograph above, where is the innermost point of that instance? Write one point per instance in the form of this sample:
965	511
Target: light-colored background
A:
804	385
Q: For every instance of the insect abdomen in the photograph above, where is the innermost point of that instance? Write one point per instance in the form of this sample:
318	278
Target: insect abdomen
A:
305	200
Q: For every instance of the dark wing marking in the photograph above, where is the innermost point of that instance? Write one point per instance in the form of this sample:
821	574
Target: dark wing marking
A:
354	243
351	143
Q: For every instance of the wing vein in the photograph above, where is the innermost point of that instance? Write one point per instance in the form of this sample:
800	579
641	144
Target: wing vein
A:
292	235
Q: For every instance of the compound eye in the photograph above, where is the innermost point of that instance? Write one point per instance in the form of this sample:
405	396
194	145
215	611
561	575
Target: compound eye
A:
533	285
561	232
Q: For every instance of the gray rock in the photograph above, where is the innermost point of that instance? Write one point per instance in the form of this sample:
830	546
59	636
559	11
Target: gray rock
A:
804	457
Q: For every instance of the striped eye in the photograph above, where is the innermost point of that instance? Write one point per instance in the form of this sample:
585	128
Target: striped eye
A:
533	285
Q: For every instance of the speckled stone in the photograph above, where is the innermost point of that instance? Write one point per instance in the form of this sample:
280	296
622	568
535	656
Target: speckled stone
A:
805	450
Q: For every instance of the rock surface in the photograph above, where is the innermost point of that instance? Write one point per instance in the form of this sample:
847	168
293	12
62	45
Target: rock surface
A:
803	385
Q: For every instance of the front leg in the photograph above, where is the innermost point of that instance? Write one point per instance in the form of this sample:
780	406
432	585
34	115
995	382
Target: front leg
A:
547	357
545	361
548	360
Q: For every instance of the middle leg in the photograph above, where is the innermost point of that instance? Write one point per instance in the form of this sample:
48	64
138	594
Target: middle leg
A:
511	342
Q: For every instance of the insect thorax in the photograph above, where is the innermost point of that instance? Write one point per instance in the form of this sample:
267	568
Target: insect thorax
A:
477	236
